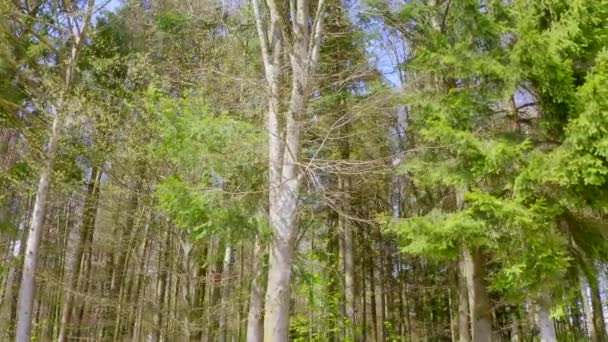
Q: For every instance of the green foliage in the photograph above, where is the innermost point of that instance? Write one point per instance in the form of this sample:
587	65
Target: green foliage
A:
211	188
172	21
468	64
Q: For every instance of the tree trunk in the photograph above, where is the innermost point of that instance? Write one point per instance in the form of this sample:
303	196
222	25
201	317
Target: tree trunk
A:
479	302
255	318
276	316
27	288
25	303
544	321
599	327
464	332
283	158
515	336
588	312
379	294
349	279
225	294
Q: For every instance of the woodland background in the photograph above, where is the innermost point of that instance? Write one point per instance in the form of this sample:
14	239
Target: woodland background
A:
303	170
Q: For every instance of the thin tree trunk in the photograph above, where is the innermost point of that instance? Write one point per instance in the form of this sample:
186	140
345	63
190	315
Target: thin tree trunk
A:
479	302
161	287
372	297
464	332
225	293
209	301
140	287
380	295
349	281
348	263
598	324
588	312
25	303
255	318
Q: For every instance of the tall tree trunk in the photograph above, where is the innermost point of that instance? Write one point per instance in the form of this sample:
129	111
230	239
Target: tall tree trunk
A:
380	294
464	332
276	317
255	318
597	317
349	278
543	320
225	294
587	310
209	301
25	303
27	288
303	46
479	302
372	298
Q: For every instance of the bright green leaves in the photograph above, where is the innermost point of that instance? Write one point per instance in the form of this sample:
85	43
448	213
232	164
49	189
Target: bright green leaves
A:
588	132
204	212
202	142
214	159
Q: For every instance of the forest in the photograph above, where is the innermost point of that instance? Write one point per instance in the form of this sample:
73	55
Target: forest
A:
304	170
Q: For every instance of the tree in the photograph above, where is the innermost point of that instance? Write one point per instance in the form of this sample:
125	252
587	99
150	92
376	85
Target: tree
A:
27	288
302	42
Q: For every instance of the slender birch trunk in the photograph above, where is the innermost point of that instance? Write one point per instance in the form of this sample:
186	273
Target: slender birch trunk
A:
255	317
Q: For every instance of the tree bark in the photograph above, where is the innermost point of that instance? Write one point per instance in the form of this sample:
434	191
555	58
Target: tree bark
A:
598	332
544	321
225	293
25	303
380	294
479	302
255	318
464	332
349	279
284	181
587	310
